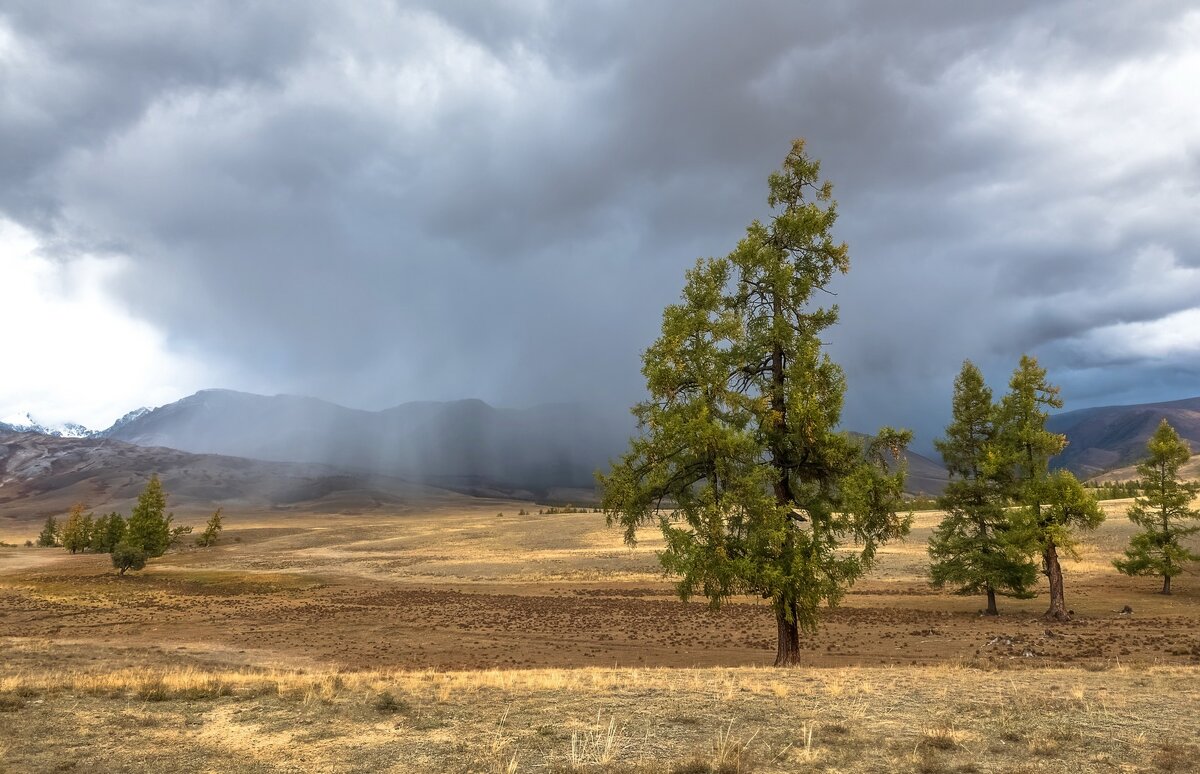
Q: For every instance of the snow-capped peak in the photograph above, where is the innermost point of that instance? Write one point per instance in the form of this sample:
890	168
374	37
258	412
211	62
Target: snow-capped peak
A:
23	422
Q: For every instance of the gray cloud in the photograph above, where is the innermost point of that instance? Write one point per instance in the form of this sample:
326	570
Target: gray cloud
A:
382	202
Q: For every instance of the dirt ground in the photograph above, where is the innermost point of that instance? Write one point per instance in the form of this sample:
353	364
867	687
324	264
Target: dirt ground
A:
541	643
471	589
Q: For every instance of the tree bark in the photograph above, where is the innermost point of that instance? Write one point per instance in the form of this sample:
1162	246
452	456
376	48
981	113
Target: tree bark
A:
1053	570
991	608
1166	584
787	650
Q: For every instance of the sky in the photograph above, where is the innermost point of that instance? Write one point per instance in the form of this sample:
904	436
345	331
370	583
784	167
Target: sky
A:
377	202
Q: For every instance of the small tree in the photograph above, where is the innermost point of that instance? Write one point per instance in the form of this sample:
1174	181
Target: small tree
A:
1162	511
149	525
49	536
128	556
211	532
975	549
77	534
1052	506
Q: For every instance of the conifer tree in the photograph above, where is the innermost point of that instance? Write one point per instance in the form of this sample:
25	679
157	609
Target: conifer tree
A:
1163	511
49	536
107	532
149	524
975	549
212	531
1052	507
739	435
77	533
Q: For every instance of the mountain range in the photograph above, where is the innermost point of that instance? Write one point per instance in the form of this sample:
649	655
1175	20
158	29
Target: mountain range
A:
273	450
44	475
1106	438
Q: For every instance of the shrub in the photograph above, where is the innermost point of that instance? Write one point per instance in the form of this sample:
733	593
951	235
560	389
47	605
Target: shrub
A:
128	556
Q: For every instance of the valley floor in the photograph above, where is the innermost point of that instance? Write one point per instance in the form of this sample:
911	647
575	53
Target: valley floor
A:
540	643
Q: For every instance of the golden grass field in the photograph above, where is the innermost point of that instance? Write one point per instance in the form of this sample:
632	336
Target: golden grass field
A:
451	638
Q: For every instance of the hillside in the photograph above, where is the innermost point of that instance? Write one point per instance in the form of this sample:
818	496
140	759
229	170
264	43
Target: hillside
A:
42	475
1107	438
465	445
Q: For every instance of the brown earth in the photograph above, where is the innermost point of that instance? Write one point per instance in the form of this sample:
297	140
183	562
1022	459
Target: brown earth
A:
464	588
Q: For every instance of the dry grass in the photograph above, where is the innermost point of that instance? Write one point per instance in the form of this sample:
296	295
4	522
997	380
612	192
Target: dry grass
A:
301	647
940	718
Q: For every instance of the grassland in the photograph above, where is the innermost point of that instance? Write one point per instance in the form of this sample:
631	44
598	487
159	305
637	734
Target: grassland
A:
457	639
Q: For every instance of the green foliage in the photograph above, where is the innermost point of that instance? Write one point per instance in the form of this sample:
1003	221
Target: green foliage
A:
177	534
738	435
77	532
975	549
1067	509
107	532
1163	512
568	508
1113	490
49	536
1051	508
128	555
212	530
149	525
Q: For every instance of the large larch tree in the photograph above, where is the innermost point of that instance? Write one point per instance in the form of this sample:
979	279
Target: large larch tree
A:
739	460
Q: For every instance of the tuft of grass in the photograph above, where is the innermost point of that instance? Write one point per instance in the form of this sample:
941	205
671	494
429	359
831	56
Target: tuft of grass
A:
595	746
153	689
387	704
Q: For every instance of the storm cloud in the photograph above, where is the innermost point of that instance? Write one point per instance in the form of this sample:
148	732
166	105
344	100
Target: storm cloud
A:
376	202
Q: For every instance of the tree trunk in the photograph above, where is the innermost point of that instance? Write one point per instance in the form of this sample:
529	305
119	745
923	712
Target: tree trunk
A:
1166	584
1053	570
787	651
991	609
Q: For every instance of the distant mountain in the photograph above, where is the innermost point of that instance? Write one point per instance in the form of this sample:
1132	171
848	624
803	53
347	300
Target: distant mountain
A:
41	474
25	423
925	476
464	445
1110	437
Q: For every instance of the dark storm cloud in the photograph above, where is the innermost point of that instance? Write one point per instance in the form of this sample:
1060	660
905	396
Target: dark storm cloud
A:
393	201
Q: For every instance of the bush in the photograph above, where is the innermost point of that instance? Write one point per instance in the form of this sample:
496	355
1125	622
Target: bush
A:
128	556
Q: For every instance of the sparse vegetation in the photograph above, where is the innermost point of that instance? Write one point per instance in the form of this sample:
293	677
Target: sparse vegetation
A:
212	531
1112	490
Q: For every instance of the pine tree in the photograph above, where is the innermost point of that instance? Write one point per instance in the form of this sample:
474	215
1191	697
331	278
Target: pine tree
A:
1052	507
975	549
77	534
149	525
739	434
212	531
49	536
1162	511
